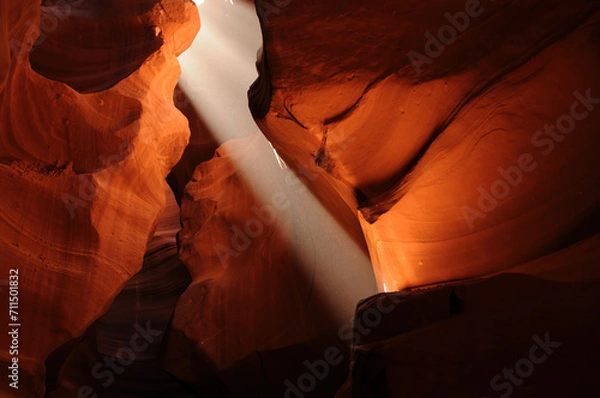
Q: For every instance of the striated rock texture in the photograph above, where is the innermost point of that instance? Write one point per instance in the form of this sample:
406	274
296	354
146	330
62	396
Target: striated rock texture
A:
85	144
263	297
470	147
441	145
467	132
146	303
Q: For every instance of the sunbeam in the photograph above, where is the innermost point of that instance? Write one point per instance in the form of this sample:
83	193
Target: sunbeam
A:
216	74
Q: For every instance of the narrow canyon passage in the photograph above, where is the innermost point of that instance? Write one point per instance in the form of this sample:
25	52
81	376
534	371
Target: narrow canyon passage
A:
323	269
285	269
109	361
299	199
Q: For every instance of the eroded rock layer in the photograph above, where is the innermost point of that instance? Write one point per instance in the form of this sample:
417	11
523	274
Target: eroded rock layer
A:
264	297
120	353
82	174
471	148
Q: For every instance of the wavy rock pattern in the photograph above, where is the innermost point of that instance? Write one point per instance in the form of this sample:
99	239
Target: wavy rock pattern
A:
148	300
459	156
425	144
82	174
255	311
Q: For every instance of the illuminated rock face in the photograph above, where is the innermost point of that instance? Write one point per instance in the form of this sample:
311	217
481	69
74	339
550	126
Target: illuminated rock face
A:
82	175
201	148
130	333
443	144
256	308
471	148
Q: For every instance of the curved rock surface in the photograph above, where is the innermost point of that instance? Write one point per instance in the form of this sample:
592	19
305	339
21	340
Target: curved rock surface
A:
201	148
82	175
470	151
146	303
263	297
441	146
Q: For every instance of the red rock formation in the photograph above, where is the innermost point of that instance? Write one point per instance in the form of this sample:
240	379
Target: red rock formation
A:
444	140
437	140
256	308
471	149
146	303
475	340
201	148
82	174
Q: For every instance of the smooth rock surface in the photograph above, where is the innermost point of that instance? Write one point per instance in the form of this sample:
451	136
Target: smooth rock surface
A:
454	169
262	297
512	335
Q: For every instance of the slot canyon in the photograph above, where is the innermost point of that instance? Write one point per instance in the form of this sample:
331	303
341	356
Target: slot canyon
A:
300	198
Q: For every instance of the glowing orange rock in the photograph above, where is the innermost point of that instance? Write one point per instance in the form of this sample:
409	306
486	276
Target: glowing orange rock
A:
470	152
82	174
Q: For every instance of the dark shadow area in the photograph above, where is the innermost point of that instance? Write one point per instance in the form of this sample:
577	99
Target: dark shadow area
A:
92	45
